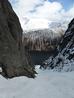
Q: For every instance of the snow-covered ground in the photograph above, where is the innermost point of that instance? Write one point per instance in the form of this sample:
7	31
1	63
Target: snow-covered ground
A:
47	85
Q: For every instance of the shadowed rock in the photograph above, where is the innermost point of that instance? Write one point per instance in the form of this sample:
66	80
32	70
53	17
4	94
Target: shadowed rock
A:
13	58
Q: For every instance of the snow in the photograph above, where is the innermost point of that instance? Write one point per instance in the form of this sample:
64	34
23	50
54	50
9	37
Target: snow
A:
62	61
47	84
43	33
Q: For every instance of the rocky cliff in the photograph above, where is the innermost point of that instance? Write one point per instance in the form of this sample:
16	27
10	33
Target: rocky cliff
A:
64	59
14	60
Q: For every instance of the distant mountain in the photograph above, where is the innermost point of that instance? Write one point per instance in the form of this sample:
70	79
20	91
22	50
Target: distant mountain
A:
64	59
42	40
58	25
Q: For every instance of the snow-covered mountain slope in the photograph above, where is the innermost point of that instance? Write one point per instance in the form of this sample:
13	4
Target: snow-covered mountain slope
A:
64	60
46	85
42	40
52	33
58	25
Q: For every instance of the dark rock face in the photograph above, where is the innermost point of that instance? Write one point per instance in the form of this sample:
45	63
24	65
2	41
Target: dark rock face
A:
65	55
68	35
13	58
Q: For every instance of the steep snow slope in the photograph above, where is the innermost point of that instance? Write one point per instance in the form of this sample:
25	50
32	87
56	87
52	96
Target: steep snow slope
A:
46	85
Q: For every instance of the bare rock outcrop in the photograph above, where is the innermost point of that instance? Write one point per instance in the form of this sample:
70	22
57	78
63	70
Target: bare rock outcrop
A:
13	59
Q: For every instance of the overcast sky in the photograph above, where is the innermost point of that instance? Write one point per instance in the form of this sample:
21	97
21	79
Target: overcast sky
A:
35	14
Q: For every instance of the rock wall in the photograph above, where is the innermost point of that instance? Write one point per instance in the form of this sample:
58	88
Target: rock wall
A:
13	57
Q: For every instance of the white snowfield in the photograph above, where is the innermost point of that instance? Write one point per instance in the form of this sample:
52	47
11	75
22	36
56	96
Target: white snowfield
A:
47	85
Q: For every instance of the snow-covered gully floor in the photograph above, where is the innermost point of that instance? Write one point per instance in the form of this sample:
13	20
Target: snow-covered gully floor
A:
46	85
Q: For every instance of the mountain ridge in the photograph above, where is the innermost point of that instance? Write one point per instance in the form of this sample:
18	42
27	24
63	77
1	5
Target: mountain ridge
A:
40	40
